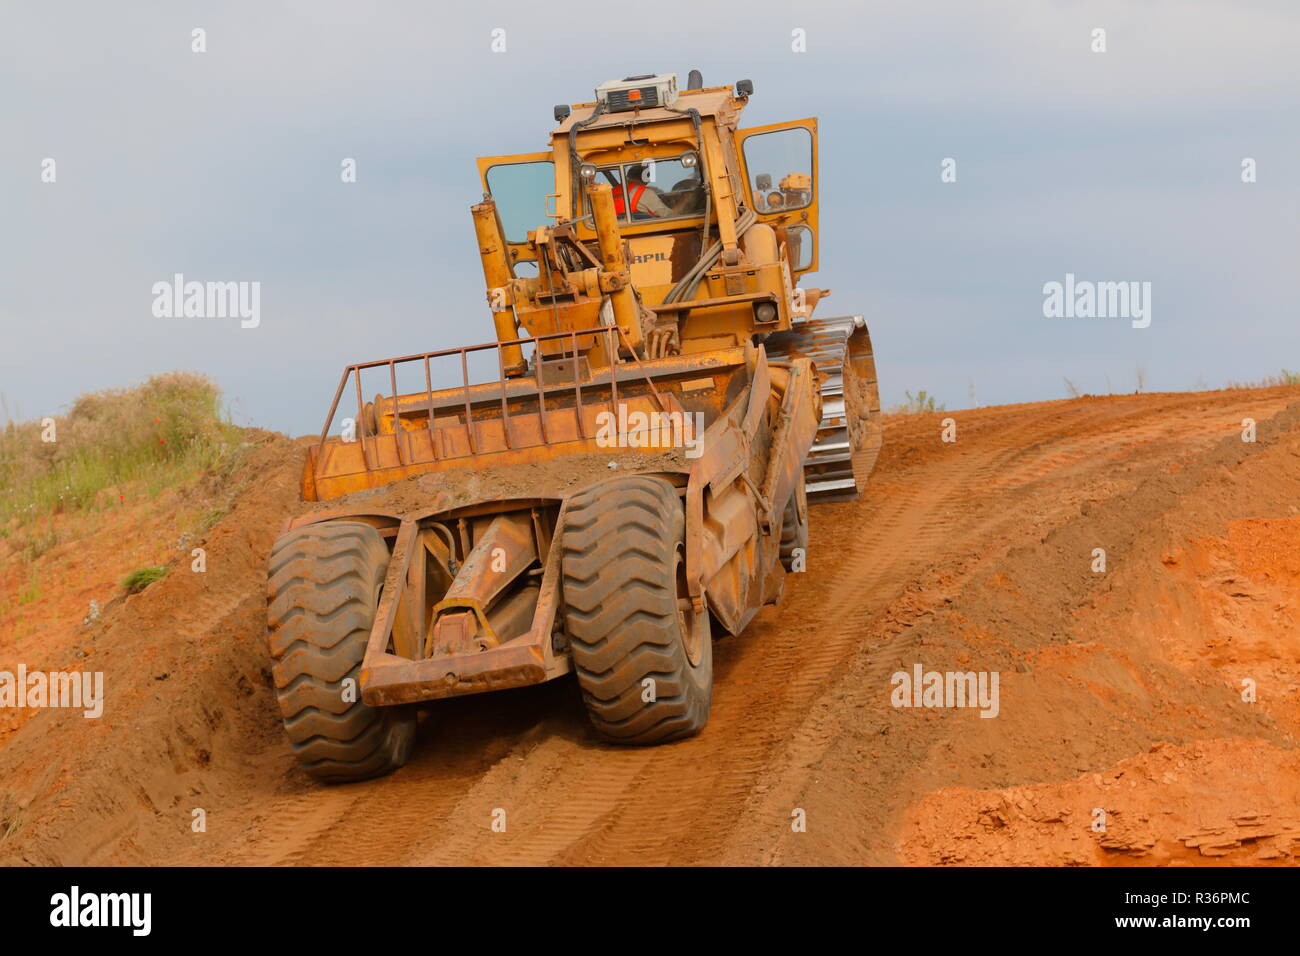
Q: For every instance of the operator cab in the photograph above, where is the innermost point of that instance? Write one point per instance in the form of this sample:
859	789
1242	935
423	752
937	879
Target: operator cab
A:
675	162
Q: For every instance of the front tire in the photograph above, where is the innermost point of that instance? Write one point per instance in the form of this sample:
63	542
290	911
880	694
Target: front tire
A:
323	589
632	633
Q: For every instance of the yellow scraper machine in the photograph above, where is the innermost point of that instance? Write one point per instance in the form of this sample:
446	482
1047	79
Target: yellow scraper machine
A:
632	478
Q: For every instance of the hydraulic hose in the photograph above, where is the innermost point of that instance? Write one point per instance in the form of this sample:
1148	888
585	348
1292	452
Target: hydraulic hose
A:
686	286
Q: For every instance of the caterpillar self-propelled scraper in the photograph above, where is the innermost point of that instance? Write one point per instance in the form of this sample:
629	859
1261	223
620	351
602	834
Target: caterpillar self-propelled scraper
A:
626	475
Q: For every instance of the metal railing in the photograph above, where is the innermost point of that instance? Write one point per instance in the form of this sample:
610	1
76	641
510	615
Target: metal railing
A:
612	335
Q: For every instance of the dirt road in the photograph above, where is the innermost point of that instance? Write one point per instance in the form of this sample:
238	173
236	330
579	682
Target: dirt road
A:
1120	690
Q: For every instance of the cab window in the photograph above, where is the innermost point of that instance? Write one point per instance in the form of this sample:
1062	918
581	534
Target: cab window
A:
654	189
800	240
780	169
520	191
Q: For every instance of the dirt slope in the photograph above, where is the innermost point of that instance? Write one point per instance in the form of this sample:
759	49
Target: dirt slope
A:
1119	690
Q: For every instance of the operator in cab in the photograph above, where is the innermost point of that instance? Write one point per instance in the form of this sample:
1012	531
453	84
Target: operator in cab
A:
642	200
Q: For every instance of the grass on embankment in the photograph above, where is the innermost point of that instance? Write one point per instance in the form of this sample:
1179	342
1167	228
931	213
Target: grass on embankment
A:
156	435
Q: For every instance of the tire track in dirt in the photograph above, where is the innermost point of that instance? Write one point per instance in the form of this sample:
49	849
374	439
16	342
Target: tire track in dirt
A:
763	837
790	657
378	822
723	796
584	810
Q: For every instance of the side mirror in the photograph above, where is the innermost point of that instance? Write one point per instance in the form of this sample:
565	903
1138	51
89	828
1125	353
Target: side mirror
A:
562	112
744	88
763	181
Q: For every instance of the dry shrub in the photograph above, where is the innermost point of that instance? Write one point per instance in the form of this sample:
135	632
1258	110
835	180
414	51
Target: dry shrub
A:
153	432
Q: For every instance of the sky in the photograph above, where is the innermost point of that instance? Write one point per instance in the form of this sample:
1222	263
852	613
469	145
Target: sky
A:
1117	166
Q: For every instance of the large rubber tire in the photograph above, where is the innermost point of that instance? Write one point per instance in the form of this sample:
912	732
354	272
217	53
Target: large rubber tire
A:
623	580
323	588
794	527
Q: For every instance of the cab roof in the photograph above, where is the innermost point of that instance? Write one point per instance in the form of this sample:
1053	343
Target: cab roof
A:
713	101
